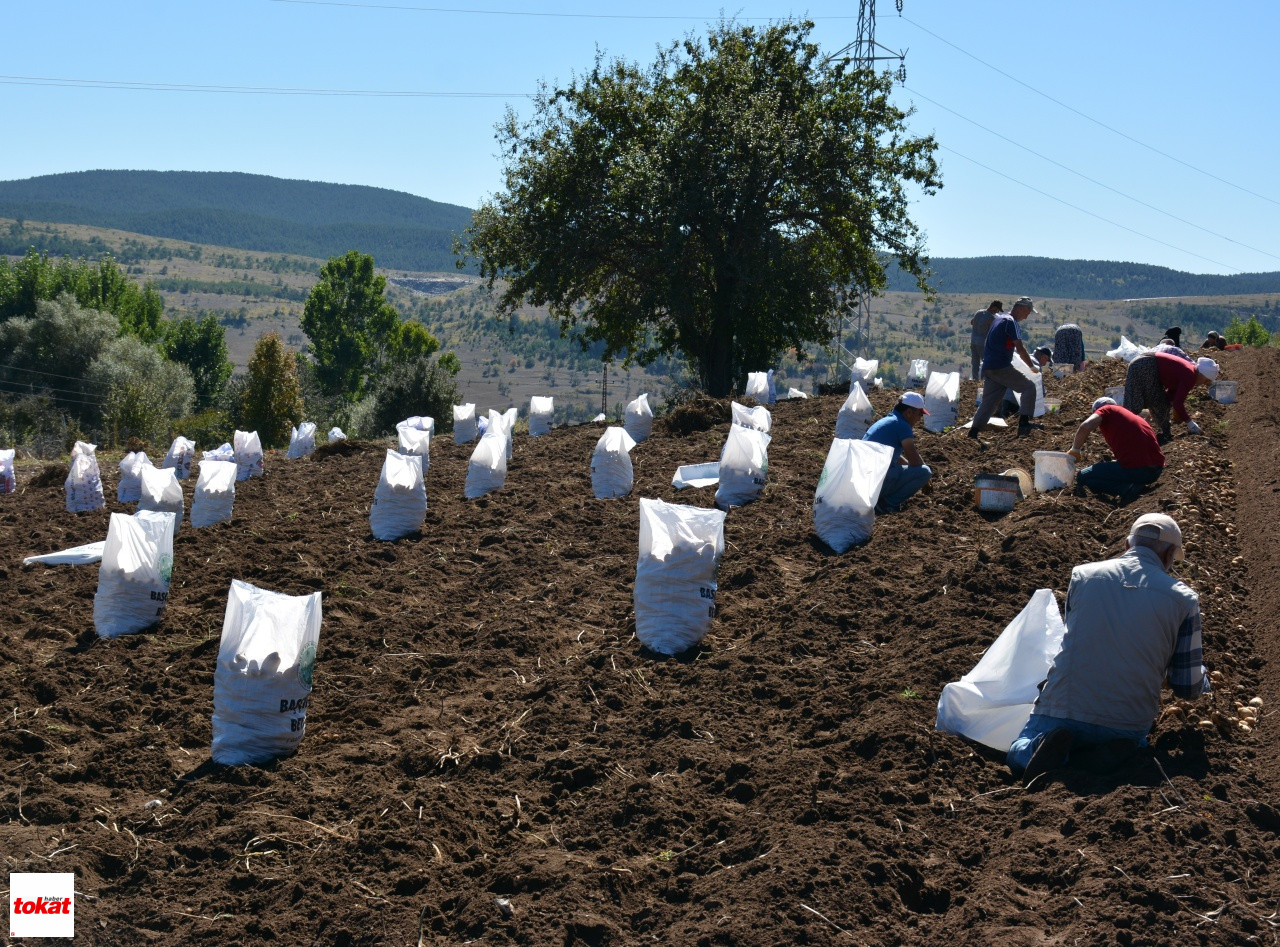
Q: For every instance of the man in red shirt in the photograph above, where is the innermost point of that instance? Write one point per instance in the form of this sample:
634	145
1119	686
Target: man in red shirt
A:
1139	460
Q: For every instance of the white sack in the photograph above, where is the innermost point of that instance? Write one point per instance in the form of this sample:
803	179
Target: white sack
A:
509	418
248	454
638	419
419	423
919	369
1127	350
129	489
302	442
85	555
992	703
942	401
215	493
844	506
400	499
84	481
336	434
487	469
415	442
793	393
675	590
856	414
1037	379
757	418
225	452
181	453
464	423
133	580
540	410
864	370
744	467
611	472
697	475
161	493
262	684
8	483
757	387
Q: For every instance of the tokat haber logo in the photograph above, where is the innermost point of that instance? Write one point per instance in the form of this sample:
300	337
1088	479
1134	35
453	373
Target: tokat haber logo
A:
42	904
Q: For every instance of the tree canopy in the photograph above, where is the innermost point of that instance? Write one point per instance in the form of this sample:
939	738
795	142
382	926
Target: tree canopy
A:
272	401
724	202
202	347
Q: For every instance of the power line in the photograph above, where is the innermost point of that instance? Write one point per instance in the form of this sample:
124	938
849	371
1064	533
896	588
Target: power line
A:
540	13
1085	177
36	371
1090	118
1082	210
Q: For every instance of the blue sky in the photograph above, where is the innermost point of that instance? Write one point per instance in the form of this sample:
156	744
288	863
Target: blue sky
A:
1141	131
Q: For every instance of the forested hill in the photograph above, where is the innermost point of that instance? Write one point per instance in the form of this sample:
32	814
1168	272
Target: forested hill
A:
249	212
1044	277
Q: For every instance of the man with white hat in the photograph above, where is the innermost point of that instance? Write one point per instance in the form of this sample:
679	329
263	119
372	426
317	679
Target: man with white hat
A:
1160	383
1138	458
998	373
1131	627
908	474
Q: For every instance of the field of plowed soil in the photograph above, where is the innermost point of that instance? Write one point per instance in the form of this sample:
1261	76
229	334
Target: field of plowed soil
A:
484	724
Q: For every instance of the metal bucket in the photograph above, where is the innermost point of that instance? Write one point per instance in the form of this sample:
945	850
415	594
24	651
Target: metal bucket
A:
995	492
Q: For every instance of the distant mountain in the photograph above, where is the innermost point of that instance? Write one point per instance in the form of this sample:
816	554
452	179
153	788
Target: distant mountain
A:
1077	279
249	212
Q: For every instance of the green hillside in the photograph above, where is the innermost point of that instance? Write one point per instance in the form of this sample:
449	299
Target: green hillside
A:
1078	279
247	211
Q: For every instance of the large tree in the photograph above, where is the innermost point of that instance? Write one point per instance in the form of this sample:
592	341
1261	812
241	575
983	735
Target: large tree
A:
272	401
202	347
723	202
350	324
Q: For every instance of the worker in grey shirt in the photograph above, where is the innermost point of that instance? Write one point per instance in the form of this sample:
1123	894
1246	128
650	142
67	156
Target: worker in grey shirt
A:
981	323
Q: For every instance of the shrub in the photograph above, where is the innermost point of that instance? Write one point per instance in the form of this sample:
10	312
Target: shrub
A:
272	402
418	386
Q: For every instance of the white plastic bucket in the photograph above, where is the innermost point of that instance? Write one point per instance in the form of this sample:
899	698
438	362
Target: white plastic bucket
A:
995	492
1054	469
1223	392
1116	392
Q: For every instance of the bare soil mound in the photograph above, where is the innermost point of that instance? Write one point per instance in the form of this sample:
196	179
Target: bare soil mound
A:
485	726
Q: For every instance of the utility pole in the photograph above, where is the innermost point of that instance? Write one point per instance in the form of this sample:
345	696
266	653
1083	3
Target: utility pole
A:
855	322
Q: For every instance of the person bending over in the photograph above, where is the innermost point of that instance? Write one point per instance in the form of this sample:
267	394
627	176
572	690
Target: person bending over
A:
908	474
1139	460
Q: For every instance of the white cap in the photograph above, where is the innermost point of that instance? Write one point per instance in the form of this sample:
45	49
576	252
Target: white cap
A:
1158	526
1207	367
913	399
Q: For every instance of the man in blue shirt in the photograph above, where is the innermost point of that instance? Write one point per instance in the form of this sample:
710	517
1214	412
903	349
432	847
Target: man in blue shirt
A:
998	373
908	473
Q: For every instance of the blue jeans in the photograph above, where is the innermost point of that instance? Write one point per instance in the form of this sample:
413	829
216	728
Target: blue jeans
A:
1085	733
900	484
1110	477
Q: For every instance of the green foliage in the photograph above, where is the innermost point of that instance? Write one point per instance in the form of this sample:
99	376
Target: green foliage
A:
50	352
99	285
419	386
143	392
202	347
207	428
719	203
272	403
349	322
1246	333
36	422
411	340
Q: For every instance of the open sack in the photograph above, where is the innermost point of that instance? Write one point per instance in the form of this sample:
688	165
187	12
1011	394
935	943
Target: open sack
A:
991	703
247	450
744	467
84	481
400	499
487	469
302	442
856	414
844	505
464	423
133	580
675	590
262	682
129	489
942	401
161	493
180	456
540	412
215	493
